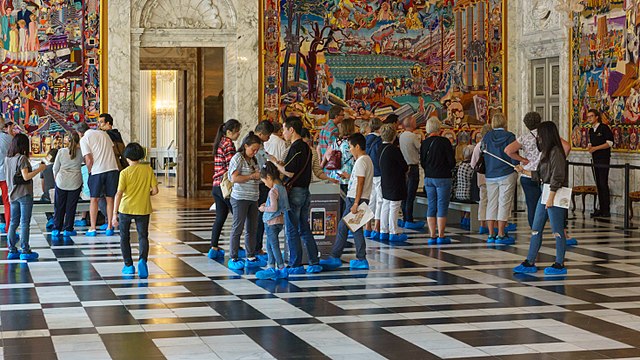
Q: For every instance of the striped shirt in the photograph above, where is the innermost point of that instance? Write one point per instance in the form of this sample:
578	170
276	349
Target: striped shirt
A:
328	135
223	154
247	190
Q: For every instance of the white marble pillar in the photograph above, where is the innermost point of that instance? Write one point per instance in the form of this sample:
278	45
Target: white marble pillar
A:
119	53
247	63
145	109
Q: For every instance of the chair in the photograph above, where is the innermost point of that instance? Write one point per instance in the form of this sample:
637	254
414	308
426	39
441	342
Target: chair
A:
584	190
633	197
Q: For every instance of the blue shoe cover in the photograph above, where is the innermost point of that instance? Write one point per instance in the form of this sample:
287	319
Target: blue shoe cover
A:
525	268
283	273
416	225
214	254
296	270
572	242
400	223
314	269
330	263
91	233
384	236
110	232
104	227
263	258
483	230
252	263
398	237
81	222
128	270
374	235
242	253
511	227
69	233
13	255
506	240
268	274
491	239
551	270
359	264
443	241
55	233
236	264
32	255
367	233
143	270
432	241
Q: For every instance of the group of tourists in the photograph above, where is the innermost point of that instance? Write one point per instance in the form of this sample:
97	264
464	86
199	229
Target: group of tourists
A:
115	175
379	166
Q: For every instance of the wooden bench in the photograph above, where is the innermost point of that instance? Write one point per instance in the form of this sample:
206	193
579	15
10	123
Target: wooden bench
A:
459	207
583	191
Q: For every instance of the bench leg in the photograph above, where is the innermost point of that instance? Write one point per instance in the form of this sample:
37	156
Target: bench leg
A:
475	223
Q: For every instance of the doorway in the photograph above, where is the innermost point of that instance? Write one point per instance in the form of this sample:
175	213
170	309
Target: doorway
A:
545	88
181	108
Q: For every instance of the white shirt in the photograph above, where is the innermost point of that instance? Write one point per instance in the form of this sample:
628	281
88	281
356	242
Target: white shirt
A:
362	168
99	145
529	146
276	147
410	147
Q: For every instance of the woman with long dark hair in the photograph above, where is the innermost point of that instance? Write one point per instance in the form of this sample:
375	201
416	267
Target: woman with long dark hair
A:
244	172
18	170
551	171
68	175
223	152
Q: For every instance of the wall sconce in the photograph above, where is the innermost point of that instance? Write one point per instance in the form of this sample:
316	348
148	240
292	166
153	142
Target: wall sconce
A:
165	108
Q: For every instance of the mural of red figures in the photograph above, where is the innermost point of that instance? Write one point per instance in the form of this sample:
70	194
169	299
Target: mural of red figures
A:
50	53
605	46
427	57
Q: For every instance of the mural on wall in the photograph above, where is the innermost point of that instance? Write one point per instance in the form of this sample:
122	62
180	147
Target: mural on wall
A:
424	57
605	46
50	52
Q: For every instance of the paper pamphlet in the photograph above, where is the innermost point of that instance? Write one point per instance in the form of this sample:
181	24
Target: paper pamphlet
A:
356	221
562	199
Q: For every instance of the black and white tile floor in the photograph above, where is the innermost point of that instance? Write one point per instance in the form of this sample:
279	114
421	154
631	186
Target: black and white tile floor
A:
417	301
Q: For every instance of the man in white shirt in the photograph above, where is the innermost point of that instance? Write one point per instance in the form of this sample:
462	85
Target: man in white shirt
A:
410	147
97	150
276	146
359	191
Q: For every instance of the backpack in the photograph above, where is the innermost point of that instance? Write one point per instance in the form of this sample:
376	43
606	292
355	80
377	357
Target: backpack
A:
118	150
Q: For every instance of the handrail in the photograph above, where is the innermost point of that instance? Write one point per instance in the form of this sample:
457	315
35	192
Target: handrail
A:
627	171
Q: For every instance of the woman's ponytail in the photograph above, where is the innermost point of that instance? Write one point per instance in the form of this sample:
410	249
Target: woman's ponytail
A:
230	125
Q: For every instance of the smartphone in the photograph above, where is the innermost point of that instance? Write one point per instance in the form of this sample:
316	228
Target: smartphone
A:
318	216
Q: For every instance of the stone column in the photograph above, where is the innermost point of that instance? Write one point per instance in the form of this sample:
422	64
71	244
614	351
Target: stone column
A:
119	54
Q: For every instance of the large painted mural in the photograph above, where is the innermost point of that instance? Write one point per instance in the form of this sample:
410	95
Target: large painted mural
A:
50	52
425	57
605	46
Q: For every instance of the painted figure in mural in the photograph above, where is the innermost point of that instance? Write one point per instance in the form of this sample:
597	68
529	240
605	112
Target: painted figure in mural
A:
34	43
34	119
24	39
24	14
385	13
4	26
14	40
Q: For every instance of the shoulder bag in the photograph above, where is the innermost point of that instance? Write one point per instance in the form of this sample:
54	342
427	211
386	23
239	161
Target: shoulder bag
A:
480	167
17	177
333	158
289	184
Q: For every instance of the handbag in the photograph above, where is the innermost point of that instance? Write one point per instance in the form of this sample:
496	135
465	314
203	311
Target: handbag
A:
480	167
226	185
17	177
333	159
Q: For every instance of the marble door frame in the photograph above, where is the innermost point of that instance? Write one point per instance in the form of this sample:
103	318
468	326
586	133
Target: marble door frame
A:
187	38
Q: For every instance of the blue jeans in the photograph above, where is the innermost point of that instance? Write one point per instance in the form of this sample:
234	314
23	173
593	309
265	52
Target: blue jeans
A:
556	216
20	214
273	244
343	232
532	193
438	196
298	229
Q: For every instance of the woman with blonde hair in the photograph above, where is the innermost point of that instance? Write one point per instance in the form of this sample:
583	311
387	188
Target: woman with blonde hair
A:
500	178
67	171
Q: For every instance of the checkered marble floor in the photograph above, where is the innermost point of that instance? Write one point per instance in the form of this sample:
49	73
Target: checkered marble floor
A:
458	301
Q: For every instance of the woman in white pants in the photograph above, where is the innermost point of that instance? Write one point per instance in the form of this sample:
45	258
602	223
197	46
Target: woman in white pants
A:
394	185
501	179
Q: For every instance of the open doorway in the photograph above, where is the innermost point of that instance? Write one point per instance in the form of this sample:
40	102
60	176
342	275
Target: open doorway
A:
181	108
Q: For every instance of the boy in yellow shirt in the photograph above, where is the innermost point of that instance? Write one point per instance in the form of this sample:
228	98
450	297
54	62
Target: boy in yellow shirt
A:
133	202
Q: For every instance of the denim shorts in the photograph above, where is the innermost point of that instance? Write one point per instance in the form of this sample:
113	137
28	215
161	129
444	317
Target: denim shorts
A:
438	196
105	184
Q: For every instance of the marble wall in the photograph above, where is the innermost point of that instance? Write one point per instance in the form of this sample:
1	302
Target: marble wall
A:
183	23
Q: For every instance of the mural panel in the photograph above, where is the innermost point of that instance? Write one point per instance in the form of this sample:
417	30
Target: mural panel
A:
605	46
50	52
439	58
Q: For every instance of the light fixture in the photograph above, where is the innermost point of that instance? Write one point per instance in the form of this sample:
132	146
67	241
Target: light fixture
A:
569	7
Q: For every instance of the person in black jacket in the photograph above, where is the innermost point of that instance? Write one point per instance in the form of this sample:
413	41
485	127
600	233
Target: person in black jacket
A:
297	168
552	172
393	169
600	143
437	158
105	123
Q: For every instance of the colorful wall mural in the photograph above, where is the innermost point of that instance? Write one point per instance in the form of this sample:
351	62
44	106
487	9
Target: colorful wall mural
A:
605	46
50	52
425	57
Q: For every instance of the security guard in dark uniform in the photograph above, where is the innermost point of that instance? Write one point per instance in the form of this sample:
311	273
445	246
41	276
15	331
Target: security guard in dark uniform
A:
600	143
